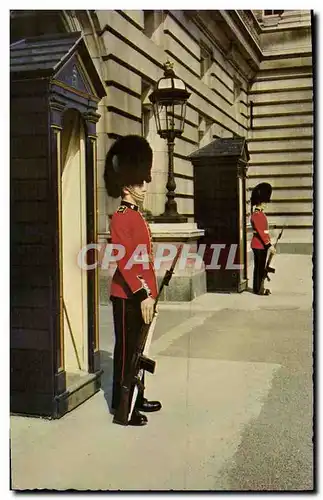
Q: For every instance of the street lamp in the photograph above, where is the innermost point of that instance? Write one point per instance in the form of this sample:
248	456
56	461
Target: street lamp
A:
169	104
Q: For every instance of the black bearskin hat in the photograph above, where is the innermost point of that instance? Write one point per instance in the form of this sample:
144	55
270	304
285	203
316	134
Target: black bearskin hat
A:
261	193
128	163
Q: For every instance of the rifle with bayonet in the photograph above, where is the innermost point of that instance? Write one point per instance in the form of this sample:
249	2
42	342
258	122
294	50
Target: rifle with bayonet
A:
139	361
268	268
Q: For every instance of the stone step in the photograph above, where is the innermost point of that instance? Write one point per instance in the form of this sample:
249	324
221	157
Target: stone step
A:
184	148
172	26
181	166
292	74
280	133
289	219
281	145
279	64
279	194
287	182
265	170
282	73
288	194
281	96
271	109
295	235
170	45
184	206
289	206
121	125
190	133
292	207
292	241
124	101
283	121
114	72
304	234
283	157
137	17
286	83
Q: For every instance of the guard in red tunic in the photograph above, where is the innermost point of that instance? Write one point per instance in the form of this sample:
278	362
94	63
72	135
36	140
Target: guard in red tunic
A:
134	286
260	242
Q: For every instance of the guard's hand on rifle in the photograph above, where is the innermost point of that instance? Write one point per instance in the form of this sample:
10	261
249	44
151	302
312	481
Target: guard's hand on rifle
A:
272	249
147	309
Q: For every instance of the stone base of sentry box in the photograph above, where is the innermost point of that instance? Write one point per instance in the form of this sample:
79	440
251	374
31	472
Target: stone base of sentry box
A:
184	288
79	388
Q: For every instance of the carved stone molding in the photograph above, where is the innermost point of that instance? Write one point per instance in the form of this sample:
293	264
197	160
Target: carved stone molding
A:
91	116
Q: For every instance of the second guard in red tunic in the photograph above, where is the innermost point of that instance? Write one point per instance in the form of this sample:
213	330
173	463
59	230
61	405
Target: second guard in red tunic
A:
261	241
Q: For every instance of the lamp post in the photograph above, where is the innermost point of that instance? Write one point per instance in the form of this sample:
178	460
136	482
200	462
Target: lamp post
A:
169	105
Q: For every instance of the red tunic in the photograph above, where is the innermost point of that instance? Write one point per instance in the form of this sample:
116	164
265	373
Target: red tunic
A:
129	228
259	222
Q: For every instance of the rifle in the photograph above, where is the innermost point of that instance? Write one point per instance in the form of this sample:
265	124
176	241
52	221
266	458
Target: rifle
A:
139	361
268	268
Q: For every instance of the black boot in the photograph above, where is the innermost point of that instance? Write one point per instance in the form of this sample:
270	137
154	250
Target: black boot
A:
148	406
137	418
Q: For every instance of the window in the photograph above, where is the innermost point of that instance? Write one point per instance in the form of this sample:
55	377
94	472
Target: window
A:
237	86
205	60
204	130
145	119
273	12
201	128
149	22
146	111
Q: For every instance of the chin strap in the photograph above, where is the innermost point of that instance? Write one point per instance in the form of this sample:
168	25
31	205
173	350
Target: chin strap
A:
138	197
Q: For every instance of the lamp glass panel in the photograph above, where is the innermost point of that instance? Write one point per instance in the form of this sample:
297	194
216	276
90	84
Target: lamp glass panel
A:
179	84
183	114
165	83
157	111
169	112
162	118
171	118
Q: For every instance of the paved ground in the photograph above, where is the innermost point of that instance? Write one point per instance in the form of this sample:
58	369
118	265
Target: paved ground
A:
234	374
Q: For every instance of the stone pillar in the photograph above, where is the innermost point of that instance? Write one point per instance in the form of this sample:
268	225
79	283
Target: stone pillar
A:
189	278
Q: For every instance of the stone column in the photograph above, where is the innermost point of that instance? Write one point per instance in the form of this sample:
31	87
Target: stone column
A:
189	278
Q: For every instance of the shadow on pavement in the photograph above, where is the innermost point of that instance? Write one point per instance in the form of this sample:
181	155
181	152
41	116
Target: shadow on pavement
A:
106	379
276	451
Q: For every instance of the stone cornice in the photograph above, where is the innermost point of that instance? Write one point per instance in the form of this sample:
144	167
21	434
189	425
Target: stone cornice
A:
227	48
250	22
248	34
70	20
243	29
289	20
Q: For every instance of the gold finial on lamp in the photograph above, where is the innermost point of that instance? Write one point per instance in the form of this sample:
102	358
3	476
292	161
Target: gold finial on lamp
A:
168	68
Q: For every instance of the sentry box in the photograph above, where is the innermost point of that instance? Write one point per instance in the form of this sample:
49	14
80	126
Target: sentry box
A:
220	170
55	91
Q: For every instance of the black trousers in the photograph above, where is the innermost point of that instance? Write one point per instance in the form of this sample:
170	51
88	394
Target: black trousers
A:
128	321
259	257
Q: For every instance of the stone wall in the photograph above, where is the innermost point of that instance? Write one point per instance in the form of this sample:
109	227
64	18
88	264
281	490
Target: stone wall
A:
281	133
135	46
228	59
